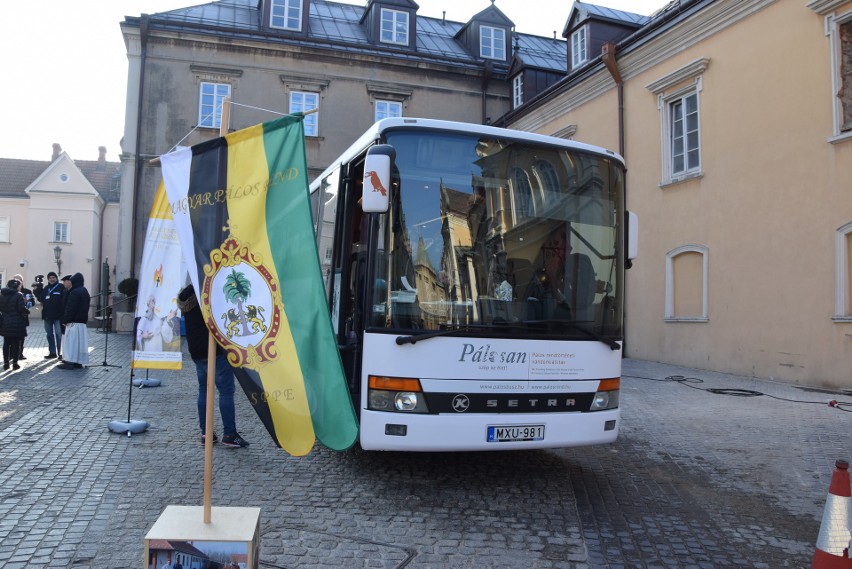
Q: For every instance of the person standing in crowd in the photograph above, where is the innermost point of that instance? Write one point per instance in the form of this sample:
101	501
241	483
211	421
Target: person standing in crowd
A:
75	317
66	284
14	310
197	337
28	302
52	298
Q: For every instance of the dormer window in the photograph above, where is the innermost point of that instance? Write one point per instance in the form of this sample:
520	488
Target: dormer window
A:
492	43
286	14
579	53
394	27
518	91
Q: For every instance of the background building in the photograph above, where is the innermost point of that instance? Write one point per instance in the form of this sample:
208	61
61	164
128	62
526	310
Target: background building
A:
59	207
355	64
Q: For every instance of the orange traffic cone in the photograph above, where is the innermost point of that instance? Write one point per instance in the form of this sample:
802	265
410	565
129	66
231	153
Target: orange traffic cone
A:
835	533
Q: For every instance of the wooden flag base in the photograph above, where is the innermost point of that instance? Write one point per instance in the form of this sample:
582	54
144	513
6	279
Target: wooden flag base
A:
232	535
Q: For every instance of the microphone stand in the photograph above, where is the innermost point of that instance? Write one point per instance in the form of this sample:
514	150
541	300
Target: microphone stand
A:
131	426
107	325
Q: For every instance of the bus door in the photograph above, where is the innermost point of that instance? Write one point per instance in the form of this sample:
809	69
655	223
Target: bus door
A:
351	258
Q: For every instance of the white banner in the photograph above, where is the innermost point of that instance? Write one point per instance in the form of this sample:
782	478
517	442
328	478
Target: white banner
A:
162	274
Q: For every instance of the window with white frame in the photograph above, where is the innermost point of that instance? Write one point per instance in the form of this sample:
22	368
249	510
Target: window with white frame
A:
394	27
388	109
684	140
301	102
838	27
680	120
686	284
844	93
210	99
492	43
843	281
60	232
286	14
5	222
518	90
579	53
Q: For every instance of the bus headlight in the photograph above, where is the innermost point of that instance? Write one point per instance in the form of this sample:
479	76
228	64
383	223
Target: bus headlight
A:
396	394
607	395
405	401
380	400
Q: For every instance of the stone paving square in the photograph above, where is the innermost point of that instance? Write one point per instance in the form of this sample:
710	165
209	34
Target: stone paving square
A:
698	478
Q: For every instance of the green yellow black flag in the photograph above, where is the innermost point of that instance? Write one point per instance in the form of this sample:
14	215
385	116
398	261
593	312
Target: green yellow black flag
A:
242	212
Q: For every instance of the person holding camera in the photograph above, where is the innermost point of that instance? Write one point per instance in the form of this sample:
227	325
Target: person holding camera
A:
52	299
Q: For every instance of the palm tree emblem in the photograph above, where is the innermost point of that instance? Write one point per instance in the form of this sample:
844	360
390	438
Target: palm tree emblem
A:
237	290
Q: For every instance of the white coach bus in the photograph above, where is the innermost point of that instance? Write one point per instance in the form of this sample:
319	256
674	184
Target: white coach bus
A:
475	278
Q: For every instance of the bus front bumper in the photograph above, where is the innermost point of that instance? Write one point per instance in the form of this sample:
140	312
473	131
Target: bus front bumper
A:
475	432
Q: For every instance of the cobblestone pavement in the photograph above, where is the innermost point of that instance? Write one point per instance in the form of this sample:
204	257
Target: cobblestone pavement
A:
697	479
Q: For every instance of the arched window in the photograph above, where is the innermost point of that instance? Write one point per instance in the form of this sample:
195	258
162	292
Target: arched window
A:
686	284
523	193
547	178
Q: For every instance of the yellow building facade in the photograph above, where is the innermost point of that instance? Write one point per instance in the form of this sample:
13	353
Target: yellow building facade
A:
735	118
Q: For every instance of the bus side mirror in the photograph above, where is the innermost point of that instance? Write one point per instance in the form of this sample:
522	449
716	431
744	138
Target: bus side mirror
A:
631	235
377	178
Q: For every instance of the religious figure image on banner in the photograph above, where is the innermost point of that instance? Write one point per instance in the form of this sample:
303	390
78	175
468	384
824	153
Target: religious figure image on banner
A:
161	276
156	332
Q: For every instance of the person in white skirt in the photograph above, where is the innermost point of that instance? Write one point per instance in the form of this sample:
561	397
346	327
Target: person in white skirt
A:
75	347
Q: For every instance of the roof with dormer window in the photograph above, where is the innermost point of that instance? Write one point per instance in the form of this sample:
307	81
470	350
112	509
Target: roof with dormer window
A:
582	12
490	15
339	25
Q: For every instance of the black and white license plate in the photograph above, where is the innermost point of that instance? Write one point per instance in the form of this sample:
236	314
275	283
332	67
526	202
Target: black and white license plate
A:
514	433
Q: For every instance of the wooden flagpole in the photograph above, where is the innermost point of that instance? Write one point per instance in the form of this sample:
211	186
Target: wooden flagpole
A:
208	428
211	374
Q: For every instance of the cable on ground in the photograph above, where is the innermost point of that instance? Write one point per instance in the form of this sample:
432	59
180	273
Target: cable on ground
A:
845	406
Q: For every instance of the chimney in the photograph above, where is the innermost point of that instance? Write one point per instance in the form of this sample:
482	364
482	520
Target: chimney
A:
57	150
101	158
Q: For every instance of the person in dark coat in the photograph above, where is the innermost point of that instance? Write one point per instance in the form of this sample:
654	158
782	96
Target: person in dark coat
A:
197	337
52	298
75	318
28	302
14	328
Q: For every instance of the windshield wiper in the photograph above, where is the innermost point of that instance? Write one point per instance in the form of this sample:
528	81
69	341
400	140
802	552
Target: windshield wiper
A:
613	345
400	340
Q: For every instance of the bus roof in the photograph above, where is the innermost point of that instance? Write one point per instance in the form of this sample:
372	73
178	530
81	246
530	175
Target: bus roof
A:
375	132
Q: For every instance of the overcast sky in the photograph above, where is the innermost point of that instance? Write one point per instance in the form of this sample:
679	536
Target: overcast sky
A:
64	64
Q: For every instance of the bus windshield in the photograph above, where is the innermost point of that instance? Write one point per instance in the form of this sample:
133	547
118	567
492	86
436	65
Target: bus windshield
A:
486	232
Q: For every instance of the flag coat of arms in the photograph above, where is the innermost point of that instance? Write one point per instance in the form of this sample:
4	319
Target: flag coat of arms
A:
242	211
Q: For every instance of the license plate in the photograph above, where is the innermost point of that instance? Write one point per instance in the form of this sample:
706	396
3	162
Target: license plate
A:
514	433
